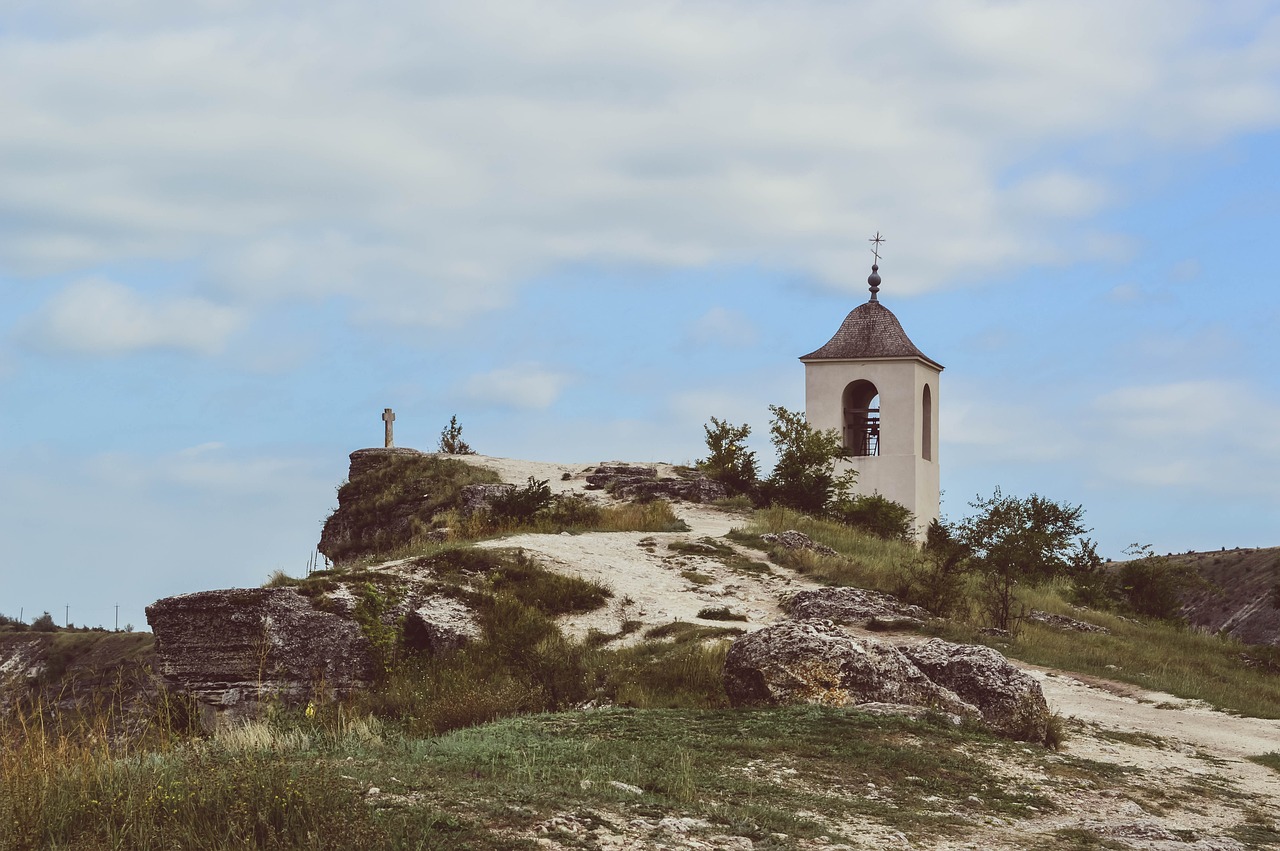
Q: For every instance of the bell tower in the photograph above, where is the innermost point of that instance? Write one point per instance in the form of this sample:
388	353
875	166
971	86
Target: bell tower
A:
872	385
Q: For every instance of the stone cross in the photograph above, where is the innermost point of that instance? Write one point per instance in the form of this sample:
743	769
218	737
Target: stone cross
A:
389	417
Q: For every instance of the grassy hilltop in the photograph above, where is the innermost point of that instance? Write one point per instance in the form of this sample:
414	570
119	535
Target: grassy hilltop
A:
529	737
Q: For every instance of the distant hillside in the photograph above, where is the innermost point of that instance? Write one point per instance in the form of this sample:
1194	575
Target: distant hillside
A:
68	669
1241	599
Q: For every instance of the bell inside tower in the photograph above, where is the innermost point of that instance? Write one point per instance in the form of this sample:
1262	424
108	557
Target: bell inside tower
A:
861	405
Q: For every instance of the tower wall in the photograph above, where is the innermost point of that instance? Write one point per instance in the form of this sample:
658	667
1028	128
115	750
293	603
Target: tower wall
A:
901	472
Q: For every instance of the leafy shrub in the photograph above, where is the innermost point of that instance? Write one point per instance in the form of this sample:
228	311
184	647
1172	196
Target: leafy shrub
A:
44	623
521	504
451	442
730	462
935	580
572	511
876	515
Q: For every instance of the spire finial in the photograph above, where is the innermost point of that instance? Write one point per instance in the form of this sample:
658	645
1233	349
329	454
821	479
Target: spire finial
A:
874	279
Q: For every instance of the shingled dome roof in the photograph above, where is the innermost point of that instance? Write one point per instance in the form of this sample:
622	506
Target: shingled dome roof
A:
870	331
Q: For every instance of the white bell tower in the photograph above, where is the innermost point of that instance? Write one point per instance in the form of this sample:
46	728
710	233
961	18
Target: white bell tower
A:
871	384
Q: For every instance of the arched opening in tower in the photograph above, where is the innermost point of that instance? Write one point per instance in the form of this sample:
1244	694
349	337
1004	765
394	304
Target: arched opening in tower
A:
926	429
861	418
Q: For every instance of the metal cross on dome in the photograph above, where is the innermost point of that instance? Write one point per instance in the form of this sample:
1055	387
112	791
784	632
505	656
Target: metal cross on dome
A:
875	248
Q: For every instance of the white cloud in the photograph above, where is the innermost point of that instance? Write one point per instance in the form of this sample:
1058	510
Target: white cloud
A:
1214	436
526	386
975	430
724	327
425	161
101	317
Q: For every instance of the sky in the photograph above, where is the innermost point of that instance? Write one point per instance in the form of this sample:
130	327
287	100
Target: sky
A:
231	233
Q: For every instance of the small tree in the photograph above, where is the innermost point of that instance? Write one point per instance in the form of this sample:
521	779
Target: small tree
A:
1016	540
44	623
729	461
1094	584
804	477
876	515
935	579
451	442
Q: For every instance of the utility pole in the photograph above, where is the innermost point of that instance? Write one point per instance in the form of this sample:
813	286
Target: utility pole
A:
117	617
66	617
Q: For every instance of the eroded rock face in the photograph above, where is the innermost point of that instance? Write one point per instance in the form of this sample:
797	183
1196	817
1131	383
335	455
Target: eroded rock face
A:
234	649
813	661
238	649
480	497
344	536
1011	701
853	606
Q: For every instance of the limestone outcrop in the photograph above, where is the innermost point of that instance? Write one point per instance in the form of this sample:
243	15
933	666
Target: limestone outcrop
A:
480	497
1064	622
1011	701
794	540
233	650
393	498
238	649
627	481
856	606
814	661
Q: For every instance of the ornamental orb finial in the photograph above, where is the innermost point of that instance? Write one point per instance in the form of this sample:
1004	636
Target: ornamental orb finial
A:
874	279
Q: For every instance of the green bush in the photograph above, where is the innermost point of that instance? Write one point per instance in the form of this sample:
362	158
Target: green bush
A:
935	580
729	462
521	504
877	516
44	623
572	511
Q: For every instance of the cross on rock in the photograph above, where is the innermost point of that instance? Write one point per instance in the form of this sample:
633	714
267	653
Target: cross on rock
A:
389	417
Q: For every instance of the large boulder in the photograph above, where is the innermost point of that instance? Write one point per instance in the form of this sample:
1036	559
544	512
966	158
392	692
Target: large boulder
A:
440	624
1011	701
480	497
813	661
239	650
234	650
853	606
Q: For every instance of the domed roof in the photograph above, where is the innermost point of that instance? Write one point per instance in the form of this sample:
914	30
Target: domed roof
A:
870	331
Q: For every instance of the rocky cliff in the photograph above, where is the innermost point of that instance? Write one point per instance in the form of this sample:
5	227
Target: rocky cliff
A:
392	498
234	649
